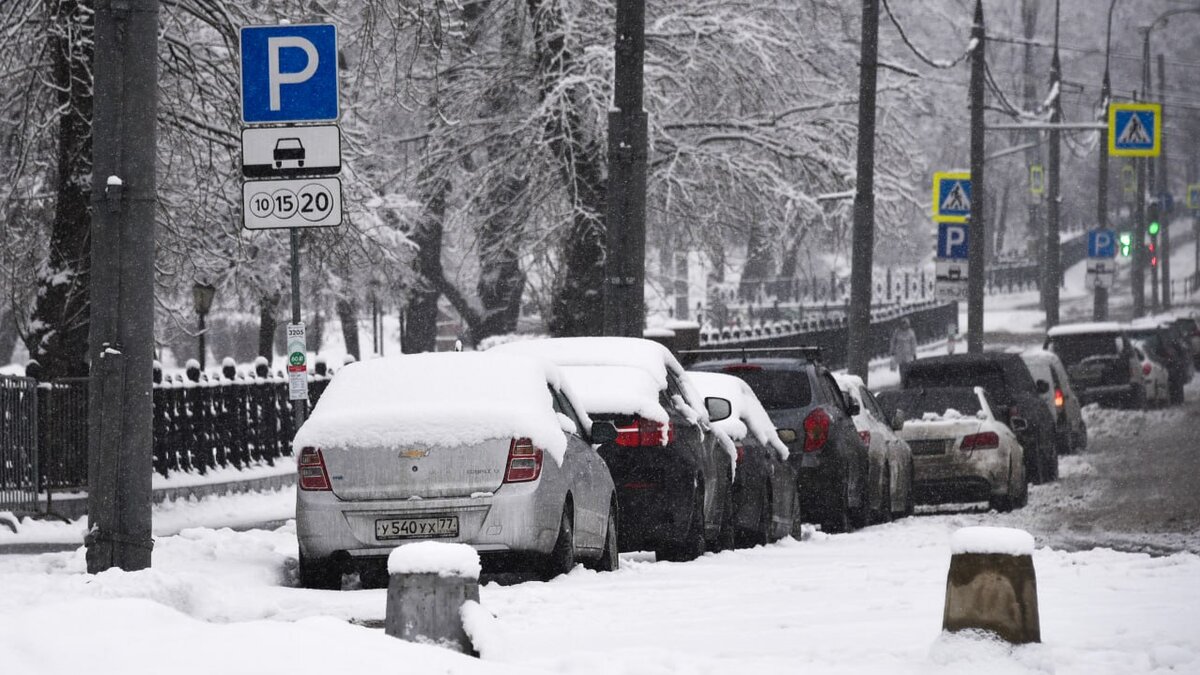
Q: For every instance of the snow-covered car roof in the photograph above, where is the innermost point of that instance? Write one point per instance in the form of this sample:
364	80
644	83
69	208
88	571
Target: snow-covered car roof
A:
1084	328
616	390
748	414
448	399
848	380
647	355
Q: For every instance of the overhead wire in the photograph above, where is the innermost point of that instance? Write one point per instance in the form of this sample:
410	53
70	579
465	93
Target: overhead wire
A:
931	62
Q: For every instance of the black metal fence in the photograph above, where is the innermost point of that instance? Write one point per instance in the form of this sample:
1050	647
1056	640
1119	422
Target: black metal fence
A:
930	321
18	443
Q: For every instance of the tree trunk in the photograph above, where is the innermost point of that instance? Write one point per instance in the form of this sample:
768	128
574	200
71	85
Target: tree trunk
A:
58	336
347	311
578	294
420	320
267	326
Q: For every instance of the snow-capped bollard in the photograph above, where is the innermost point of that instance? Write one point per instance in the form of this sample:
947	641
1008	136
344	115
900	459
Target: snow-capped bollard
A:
428	582
991	585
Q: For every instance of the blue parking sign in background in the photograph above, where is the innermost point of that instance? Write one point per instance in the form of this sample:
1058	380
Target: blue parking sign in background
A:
1102	244
952	241
289	73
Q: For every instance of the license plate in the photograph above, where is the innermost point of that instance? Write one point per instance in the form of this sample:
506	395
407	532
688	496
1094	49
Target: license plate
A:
407	528
928	447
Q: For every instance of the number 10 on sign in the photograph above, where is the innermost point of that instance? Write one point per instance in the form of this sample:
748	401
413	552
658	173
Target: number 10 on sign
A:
307	202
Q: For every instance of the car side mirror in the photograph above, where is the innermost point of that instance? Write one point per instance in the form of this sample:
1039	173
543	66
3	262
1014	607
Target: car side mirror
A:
787	435
603	432
897	420
718	408
1018	423
1043	387
853	408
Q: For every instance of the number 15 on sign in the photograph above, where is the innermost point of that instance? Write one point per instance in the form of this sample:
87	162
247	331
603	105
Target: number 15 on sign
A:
308	202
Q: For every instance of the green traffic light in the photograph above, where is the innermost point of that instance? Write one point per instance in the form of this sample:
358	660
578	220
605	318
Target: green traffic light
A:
1153	230
1126	238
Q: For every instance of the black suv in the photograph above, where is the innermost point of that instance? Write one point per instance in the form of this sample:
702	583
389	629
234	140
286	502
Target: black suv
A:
1100	363
814	419
1167	344
1010	387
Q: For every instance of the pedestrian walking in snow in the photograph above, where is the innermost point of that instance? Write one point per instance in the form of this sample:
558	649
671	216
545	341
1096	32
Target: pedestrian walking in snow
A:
904	344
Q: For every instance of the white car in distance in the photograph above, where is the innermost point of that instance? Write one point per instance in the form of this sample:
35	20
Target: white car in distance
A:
1154	373
890	477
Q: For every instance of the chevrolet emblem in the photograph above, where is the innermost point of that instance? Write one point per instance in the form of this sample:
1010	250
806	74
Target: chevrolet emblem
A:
414	454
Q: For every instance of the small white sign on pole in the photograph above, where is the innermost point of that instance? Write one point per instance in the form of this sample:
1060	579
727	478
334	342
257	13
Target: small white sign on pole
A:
1101	272
950	283
297	365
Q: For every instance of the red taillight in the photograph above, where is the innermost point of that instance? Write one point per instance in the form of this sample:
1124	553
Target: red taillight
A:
865	436
645	433
524	461
742	368
1146	368
1059	399
984	441
741	454
816	430
313	475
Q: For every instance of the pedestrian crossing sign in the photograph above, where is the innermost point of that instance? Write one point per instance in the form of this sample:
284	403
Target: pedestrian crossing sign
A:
1193	196
1135	129
951	196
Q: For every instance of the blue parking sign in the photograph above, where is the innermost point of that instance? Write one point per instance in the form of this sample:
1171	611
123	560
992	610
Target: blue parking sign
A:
1102	244
952	241
289	73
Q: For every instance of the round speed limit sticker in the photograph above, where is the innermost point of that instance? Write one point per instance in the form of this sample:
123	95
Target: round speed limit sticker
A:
315	202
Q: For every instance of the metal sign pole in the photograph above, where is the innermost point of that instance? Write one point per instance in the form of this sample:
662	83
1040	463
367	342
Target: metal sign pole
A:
299	405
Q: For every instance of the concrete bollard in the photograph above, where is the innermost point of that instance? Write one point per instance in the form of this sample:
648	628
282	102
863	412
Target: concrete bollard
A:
428	582
991	585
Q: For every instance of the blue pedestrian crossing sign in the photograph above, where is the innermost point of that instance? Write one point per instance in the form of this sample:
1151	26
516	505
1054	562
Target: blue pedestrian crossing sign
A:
289	73
951	197
952	241
1135	129
1102	243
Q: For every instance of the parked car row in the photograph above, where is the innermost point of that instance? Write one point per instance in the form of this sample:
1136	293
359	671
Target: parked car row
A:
1146	362
545	453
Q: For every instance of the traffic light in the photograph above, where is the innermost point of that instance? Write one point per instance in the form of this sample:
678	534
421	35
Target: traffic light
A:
1153	228
1153	256
1125	239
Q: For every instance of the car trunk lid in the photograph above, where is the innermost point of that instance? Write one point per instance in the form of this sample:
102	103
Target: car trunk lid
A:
417	470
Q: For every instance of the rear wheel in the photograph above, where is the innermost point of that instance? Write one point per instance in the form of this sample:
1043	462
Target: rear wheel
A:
861	514
837	511
761	535
562	558
884	513
320	573
797	531
692	545
1051	471
910	501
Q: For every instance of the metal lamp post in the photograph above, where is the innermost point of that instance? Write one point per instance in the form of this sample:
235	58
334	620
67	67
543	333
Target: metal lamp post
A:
202	299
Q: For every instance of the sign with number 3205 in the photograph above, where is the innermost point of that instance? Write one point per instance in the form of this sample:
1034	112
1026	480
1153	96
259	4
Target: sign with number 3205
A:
306	202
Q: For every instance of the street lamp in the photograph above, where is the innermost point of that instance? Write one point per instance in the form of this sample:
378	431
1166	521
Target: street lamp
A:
202	299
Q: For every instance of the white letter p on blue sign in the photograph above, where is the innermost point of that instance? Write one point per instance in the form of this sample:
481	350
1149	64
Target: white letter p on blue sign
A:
275	77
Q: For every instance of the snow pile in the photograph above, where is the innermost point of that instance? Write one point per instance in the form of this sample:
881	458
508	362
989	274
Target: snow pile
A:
435	557
616	390
447	399
949	415
1003	540
598	351
748	414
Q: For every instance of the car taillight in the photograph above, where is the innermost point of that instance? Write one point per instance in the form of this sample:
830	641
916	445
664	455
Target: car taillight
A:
865	436
1059	399
816	430
645	433
741	454
524	461
1146	369
983	441
313	475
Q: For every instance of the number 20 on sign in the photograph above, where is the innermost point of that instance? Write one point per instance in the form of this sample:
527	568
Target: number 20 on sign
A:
308	202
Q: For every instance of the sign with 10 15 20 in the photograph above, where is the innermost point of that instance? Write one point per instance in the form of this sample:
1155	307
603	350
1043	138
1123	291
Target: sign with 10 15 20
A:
304	202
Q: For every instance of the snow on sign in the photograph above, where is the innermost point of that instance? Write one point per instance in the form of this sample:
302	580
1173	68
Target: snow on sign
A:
280	152
289	73
951	197
1135	129
303	202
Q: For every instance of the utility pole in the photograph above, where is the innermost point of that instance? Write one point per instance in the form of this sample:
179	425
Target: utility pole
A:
1164	253
625	261
1137	272
863	247
1100	299
1151	185
976	228
121	343
1053	277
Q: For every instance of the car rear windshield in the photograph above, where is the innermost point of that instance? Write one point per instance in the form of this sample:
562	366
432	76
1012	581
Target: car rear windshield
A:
775	389
916	403
986	375
1072	349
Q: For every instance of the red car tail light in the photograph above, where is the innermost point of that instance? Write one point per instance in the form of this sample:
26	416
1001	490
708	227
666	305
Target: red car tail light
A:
524	461
313	475
865	436
1146	368
1059	399
741	454
645	433
984	441
816	430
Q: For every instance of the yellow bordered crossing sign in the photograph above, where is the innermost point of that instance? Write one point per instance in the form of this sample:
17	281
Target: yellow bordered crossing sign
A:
1193	196
1037	180
951	196
1135	129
